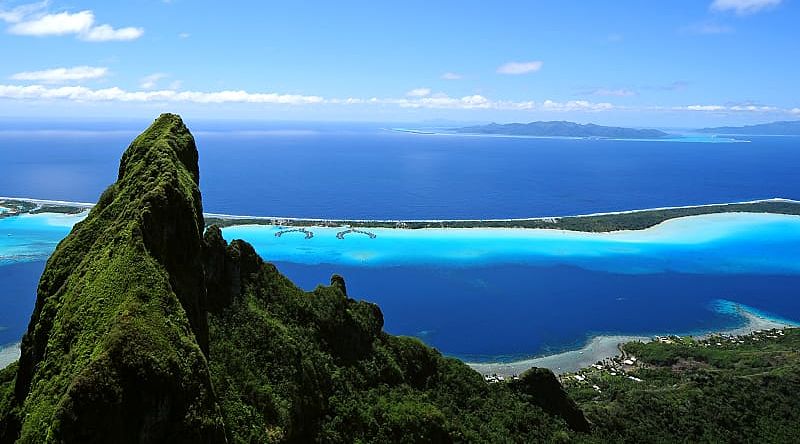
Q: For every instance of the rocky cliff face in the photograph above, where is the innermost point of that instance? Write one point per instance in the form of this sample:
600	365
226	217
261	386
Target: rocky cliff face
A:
114	349
147	329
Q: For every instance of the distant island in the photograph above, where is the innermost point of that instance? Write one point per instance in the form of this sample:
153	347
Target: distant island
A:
150	327
784	128
563	129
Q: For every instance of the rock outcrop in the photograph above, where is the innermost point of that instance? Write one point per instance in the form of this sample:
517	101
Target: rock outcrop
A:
115	347
148	328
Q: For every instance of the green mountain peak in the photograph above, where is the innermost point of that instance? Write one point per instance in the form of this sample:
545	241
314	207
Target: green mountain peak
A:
149	328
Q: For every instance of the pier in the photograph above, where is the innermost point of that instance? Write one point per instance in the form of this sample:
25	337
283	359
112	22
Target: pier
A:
342	234
309	234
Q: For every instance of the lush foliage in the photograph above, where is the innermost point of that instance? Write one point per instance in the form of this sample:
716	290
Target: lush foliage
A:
294	366
716	390
144	330
113	349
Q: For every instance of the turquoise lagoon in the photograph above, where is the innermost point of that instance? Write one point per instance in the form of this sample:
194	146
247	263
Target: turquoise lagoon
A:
32	237
717	243
505	294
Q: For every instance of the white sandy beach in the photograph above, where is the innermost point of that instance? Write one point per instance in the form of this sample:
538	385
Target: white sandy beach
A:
599	348
522	219
602	347
323	221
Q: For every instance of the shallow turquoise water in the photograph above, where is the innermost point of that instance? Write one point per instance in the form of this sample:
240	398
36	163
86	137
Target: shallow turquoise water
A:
718	243
488	294
32	237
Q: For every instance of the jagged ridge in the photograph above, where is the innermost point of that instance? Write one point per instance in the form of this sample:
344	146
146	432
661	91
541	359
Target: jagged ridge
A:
113	350
145	330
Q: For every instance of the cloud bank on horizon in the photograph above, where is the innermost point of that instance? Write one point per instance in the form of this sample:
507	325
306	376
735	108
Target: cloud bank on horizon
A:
666	65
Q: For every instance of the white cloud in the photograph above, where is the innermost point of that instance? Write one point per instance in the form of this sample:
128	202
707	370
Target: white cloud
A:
516	68
705	108
743	7
58	75
419	92
466	102
435	101
151	81
55	24
441	101
17	14
480	102
733	108
32	20
452	76
84	94
753	108
184	35
105	33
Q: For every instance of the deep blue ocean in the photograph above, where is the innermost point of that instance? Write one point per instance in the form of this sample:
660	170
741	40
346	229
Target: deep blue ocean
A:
492	308
363	172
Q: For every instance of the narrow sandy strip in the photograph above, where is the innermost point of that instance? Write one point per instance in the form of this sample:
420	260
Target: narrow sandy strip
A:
602	347
523	219
599	348
49	202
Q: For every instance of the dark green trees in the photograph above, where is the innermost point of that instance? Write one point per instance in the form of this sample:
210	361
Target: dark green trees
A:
147	329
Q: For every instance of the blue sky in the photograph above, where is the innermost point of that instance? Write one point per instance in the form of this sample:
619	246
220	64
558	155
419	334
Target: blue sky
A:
641	63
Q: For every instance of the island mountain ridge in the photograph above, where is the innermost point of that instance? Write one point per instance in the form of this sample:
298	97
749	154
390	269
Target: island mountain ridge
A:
150	328
563	129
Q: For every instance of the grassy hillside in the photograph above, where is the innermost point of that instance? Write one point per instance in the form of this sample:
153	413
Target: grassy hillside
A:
301	367
723	389
144	330
148	328
114	348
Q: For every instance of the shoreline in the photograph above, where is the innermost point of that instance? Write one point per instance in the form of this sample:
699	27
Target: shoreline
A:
48	201
603	347
596	349
513	219
342	221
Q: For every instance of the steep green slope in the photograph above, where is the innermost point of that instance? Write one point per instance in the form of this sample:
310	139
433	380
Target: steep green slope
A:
301	367
146	331
149	329
717	390
113	351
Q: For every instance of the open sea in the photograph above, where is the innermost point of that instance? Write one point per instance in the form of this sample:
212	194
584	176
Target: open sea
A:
482	294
